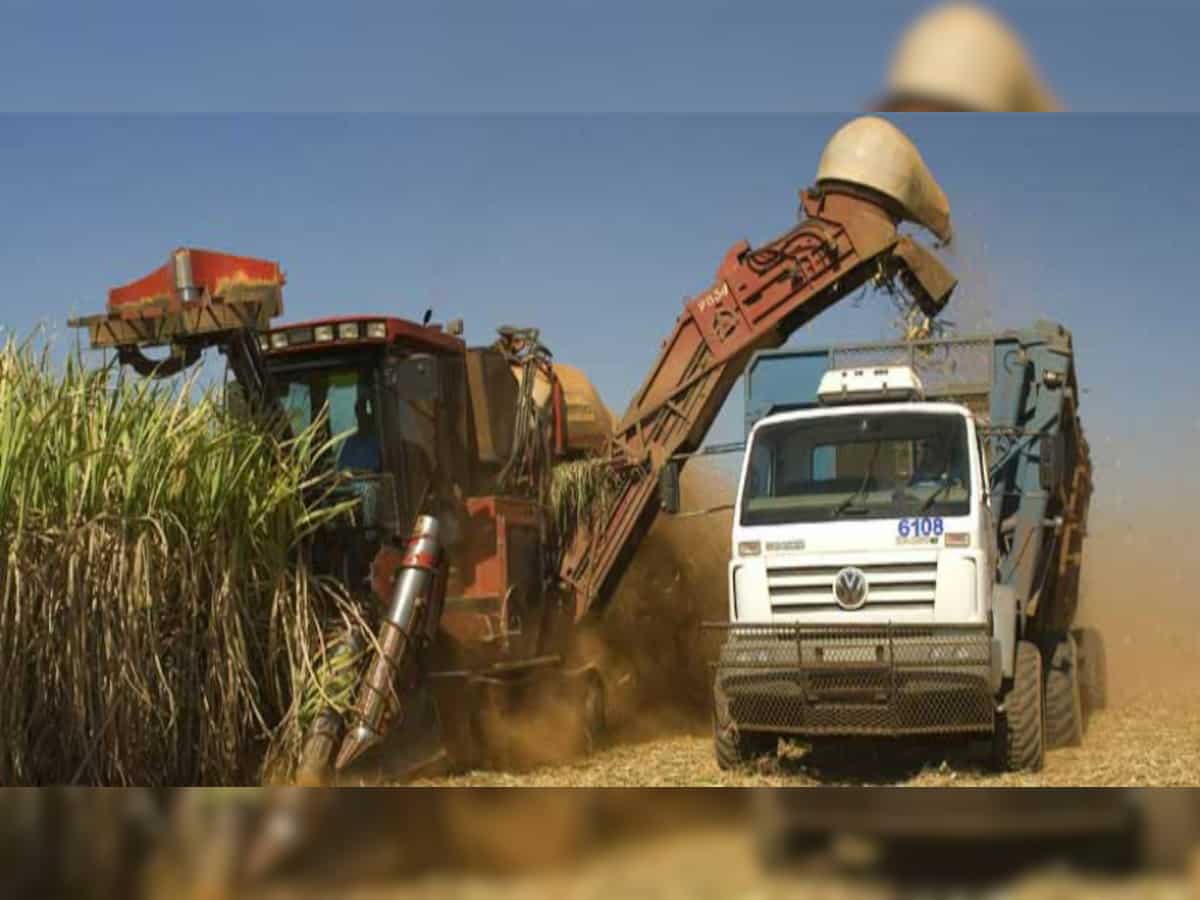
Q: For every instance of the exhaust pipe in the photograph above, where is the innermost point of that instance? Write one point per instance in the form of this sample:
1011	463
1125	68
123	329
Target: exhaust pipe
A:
378	702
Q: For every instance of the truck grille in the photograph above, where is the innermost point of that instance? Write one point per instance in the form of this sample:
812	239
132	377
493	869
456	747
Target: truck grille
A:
809	588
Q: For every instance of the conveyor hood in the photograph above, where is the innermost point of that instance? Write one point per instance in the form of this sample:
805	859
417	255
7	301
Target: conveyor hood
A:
873	153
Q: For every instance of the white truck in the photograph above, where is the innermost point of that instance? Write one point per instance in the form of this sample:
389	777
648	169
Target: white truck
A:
906	549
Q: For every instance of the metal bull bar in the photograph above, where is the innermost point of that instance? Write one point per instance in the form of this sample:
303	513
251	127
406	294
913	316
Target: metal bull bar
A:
856	679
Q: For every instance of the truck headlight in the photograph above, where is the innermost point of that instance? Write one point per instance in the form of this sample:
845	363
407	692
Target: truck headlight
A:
323	333
279	340
377	330
348	331
749	548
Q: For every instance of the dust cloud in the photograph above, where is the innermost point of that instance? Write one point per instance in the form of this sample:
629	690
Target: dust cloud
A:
653	641
1138	589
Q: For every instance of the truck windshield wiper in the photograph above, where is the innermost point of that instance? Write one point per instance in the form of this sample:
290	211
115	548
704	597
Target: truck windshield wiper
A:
941	489
846	504
841	508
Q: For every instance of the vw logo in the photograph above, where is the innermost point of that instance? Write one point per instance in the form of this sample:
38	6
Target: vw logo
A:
850	588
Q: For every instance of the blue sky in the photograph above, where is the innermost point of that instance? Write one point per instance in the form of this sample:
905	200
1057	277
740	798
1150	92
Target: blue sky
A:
551	55
595	228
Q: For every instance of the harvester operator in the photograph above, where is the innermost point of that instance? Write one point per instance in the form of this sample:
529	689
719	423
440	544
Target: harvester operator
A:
361	450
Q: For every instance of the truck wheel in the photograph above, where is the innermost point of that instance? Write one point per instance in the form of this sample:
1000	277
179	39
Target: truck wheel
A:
1064	705
733	747
1093	670
1022	747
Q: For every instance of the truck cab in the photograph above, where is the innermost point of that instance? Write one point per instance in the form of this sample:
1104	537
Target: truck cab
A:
867	509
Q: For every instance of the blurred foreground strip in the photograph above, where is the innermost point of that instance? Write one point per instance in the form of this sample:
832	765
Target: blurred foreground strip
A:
294	843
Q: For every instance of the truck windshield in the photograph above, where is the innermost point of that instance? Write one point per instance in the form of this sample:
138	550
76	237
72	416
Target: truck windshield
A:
860	465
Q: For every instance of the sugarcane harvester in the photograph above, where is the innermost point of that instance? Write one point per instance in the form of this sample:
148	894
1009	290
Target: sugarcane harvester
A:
456	550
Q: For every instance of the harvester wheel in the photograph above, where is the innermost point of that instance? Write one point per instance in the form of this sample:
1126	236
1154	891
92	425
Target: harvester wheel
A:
593	716
1093	670
1022	729
733	747
1064	704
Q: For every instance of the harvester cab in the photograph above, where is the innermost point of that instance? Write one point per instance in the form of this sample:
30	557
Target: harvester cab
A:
386	399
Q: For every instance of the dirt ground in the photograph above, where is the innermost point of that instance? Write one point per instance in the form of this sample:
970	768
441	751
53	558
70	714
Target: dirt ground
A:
1147	741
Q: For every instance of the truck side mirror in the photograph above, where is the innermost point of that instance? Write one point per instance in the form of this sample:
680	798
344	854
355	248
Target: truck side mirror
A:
1052	453
668	487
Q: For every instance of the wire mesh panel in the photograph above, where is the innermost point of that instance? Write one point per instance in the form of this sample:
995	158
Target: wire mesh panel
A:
956	370
953	369
848	680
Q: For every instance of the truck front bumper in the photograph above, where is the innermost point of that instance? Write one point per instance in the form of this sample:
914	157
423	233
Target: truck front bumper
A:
881	680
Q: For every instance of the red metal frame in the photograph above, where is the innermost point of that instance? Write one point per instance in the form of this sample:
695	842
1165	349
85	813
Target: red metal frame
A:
477	597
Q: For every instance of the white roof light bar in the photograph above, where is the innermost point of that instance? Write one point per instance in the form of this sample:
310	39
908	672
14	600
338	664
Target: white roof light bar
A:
870	385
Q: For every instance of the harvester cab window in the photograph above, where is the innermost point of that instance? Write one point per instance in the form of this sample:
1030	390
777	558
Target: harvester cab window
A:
348	396
352	409
414	412
297	404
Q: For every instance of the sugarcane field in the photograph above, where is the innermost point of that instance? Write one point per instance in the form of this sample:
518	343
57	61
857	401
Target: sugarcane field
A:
406	454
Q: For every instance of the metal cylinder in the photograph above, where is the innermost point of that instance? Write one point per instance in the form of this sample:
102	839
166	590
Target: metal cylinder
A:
378	702
185	284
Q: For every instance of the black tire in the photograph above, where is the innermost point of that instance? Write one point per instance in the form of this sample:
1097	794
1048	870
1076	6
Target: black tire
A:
733	747
465	729
736	749
1093	670
1064	703
1022	729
